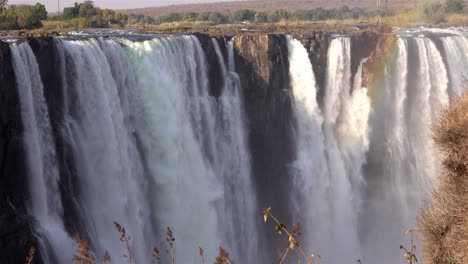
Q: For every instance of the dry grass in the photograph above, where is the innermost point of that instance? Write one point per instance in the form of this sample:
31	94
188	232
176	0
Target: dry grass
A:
457	20
444	219
53	25
173	26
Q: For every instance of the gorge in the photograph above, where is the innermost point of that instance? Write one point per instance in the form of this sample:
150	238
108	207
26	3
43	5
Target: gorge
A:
200	133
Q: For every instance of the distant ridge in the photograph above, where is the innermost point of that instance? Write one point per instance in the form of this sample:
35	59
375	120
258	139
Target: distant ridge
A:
269	5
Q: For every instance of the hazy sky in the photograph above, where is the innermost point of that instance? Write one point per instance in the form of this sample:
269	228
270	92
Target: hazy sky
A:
51	5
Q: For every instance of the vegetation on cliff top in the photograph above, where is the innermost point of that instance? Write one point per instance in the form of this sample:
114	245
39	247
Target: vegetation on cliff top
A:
87	15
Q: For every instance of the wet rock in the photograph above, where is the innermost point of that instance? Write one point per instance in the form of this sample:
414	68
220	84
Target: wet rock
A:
16	235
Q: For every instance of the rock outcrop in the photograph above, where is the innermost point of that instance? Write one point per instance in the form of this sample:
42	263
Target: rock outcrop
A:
263	67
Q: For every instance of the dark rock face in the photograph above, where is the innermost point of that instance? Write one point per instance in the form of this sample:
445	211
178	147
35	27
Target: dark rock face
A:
363	45
317	47
52	66
216	81
262	64
16	232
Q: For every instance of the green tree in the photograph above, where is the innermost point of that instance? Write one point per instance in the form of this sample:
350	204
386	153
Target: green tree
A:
261	17
279	15
3	5
321	14
40	11
71	12
454	6
190	16
218	18
243	15
203	16
8	21
173	17
27	16
434	13
86	9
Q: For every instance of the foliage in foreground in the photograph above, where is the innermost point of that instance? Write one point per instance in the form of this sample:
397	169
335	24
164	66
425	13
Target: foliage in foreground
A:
84	254
443	221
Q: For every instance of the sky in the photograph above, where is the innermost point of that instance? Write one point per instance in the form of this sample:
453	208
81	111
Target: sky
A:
52	5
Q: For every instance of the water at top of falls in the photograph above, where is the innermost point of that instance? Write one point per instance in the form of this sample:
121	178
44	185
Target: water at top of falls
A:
42	170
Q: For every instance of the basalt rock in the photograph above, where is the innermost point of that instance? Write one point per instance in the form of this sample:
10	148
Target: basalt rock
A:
262	64
16	236
214	67
55	88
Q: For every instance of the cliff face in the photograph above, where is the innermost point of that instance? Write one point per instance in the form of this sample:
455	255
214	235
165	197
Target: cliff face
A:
263	67
16	232
51	66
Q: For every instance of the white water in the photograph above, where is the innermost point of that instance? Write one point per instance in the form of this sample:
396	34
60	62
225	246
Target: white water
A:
456	48
239	213
153	149
311	178
112	187
344	210
45	202
331	148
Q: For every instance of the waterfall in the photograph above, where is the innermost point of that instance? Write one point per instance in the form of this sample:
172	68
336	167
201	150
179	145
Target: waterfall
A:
336	93
45	201
239	213
111	183
140	139
309	171
331	147
456	48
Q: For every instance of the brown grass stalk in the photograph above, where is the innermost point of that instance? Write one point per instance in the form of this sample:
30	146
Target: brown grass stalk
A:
293	243
125	239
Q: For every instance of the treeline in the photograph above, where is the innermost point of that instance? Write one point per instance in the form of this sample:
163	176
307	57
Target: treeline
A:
437	12
86	15
22	16
317	14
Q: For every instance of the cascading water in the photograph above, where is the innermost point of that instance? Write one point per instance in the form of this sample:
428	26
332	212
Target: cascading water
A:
132	112
456	48
331	146
148	146
45	202
239	208
311	177
111	183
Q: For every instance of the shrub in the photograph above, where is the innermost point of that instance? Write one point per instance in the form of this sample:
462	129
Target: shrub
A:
434	13
443	221
454	6
218	18
261	17
279	15
243	15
